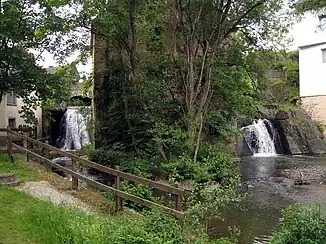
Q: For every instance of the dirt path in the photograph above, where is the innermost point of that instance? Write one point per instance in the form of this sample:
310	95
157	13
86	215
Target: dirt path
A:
44	191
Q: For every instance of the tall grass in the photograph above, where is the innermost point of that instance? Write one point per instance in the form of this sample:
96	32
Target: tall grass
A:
56	225
35	221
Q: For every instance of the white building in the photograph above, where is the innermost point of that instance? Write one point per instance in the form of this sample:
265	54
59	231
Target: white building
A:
9	112
10	107
310	37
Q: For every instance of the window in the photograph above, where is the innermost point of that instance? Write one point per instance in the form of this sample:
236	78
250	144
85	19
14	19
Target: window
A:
324	55
11	99
12	122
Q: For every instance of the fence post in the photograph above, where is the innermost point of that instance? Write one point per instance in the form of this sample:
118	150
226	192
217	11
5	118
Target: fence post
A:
177	199
74	180
9	145
46	151
118	199
25	143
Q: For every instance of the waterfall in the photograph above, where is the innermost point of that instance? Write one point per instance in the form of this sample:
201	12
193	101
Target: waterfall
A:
260	138
74	133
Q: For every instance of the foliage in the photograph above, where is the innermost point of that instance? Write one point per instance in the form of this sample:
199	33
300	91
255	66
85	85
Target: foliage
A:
301	224
208	200
280	82
42	222
311	5
212	165
321	126
171	81
142	165
21	32
139	190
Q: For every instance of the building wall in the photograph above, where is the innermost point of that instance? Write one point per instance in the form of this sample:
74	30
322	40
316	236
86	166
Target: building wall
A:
12	111
312	71
307	31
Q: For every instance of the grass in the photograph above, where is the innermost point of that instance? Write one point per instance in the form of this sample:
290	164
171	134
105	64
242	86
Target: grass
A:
19	168
24	219
13	205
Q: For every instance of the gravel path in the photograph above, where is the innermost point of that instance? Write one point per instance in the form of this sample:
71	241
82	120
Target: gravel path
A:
44	191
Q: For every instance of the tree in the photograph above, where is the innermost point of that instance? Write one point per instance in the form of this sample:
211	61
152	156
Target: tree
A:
308	5
170	68
212	37
23	29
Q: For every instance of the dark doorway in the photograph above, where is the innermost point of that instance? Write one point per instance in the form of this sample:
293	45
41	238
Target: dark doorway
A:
54	129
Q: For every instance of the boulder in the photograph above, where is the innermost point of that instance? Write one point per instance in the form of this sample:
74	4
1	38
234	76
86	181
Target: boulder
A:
268	111
282	115
298	133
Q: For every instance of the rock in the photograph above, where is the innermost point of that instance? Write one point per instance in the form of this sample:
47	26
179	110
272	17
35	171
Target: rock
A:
63	161
268	111
282	115
299	133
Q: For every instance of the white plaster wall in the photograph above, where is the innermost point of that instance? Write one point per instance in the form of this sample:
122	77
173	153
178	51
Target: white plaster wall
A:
312	71
7	111
307	31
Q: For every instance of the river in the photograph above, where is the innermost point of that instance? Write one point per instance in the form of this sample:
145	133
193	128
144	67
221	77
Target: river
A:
272	183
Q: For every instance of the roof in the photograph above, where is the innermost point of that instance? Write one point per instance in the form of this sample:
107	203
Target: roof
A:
312	45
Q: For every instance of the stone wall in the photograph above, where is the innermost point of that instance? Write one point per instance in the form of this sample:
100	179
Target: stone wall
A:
315	107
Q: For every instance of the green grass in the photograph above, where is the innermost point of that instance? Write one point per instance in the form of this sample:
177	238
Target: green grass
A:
24	219
18	168
13	205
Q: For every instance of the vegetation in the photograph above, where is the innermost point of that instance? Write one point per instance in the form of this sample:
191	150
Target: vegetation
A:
311	5
25	219
25	33
18	168
301	224
171	80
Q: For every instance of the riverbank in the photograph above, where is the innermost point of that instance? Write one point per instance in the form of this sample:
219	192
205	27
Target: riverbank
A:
27	219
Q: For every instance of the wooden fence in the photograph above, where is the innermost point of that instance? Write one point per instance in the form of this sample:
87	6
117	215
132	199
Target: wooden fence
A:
28	142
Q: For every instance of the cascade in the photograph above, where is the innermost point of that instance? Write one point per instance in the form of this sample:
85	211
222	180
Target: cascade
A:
260	138
74	133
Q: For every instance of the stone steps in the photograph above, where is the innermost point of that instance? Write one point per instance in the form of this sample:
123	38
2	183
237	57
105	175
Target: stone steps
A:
9	180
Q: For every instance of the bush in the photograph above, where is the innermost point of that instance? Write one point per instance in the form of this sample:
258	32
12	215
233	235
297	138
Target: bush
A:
212	165
141	164
139	190
301	225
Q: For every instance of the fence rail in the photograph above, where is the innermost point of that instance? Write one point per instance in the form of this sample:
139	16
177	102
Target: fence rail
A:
46	148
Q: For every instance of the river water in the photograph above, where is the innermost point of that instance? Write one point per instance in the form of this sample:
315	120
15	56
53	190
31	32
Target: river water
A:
272	183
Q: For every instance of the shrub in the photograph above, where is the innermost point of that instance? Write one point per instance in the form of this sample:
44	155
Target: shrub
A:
301	225
139	190
212	165
141	164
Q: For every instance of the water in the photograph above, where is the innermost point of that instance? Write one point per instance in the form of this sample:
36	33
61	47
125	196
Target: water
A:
74	134
271	185
260	138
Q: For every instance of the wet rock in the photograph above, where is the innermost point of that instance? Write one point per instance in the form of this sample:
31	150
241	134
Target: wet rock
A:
299	134
63	161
